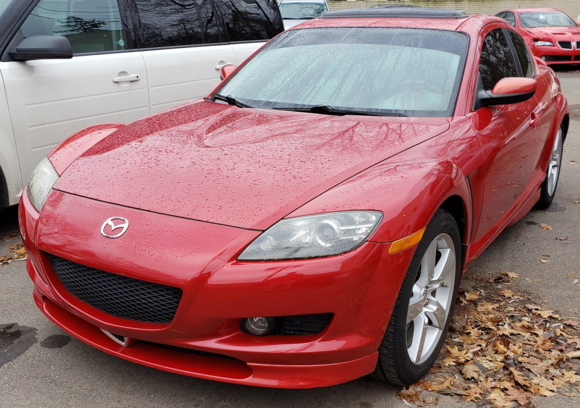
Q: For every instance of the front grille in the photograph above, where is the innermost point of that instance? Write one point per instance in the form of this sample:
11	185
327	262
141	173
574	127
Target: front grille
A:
577	57
554	58
567	45
578	45
118	295
304	324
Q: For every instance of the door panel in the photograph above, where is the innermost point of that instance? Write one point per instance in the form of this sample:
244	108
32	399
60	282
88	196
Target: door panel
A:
50	100
178	75
509	142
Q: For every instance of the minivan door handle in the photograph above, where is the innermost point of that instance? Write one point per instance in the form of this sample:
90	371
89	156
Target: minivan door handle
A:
221	64
128	78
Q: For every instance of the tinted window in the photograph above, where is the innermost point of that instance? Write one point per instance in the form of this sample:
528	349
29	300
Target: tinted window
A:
251	20
510	18
302	11
496	61
523	54
380	71
170	23
90	25
4	5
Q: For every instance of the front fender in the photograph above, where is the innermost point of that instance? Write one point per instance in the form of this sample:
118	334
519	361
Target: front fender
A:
66	152
408	194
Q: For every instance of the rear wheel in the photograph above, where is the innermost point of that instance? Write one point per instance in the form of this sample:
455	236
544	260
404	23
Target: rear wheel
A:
548	189
425	304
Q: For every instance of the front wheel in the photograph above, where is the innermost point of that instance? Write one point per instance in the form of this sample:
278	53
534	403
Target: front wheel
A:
425	304
552	173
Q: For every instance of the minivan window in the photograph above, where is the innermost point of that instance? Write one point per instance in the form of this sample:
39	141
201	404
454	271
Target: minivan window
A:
90	25
251	20
170	23
369	71
302	10
4	5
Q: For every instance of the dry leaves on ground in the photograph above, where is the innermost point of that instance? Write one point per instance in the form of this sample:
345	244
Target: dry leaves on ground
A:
504	350
17	252
546	227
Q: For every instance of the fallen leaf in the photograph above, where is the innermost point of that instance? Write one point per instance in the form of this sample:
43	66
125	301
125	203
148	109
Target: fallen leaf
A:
499	400
571	275
411	395
573	354
572	162
546	227
561	238
520	379
544	261
473	295
471	372
507	293
521	397
546	313
577	202
512	275
474	394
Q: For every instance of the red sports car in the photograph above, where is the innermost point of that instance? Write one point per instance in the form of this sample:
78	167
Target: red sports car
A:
551	34
308	222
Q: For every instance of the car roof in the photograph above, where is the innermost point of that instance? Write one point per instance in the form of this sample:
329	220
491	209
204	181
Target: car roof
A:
471	24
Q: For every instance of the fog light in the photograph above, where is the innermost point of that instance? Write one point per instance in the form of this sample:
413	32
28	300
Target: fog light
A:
259	326
544	57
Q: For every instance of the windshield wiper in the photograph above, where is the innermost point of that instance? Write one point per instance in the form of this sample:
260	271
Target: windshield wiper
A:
331	110
230	100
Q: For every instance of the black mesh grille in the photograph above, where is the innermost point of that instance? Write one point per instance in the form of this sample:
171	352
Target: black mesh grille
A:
118	295
305	324
577	57
558	58
578	45
567	45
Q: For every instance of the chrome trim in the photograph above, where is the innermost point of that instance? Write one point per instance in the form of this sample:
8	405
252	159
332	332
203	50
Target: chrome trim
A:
110	223
125	343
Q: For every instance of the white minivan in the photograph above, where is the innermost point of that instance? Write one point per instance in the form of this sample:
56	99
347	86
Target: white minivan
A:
69	64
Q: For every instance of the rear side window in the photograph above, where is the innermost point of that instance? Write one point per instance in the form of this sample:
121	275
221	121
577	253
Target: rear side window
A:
91	26
510	18
523	54
251	20
171	23
497	60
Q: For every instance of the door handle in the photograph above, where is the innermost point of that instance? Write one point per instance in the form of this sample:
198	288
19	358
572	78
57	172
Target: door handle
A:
533	120
221	64
128	78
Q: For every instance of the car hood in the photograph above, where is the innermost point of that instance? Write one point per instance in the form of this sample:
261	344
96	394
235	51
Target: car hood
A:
559	33
246	168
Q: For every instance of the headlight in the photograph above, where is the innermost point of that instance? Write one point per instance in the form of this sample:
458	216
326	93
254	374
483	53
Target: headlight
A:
543	43
313	236
41	182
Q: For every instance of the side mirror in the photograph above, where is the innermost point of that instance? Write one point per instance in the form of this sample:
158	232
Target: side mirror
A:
42	47
227	70
508	91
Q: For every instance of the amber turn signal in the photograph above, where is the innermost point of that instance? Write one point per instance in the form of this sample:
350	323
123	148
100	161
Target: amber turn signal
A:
407	242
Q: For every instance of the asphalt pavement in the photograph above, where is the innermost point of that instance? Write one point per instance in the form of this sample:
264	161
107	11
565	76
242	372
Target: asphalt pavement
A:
42	366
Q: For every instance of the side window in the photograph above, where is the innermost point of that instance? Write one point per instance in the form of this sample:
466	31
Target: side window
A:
251	20
523	54
172	23
90	25
496	61
510	18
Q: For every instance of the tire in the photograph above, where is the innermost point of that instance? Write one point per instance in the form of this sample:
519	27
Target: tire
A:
437	259
550	184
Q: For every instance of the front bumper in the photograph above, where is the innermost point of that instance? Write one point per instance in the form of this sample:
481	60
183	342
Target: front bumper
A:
557	55
358	288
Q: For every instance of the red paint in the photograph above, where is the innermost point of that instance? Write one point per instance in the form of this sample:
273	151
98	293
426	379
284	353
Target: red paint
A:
201	181
512	86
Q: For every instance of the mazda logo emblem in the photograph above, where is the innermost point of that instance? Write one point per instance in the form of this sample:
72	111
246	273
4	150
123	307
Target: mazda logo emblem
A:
115	223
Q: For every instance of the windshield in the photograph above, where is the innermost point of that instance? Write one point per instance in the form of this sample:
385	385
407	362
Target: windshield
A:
4	5
379	71
301	11
546	19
